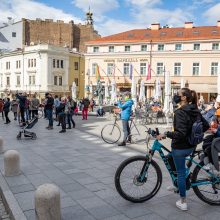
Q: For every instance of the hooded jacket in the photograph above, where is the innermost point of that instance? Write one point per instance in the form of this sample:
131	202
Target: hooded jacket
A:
126	109
184	117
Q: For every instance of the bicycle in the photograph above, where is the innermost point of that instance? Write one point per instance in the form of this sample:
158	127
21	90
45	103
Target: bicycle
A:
111	133
146	176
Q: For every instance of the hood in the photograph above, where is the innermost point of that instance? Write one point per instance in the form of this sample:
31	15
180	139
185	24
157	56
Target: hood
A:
191	109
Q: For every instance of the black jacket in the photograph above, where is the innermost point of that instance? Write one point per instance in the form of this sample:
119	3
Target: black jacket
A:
184	118
6	107
61	108
22	100
49	104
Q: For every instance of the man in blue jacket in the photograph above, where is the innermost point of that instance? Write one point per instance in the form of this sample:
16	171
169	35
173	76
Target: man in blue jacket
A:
126	108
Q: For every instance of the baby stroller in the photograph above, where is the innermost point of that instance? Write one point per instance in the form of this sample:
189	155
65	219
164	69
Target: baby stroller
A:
28	125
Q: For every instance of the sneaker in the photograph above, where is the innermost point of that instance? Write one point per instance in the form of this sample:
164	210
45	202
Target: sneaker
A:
62	131
50	128
182	206
122	144
172	188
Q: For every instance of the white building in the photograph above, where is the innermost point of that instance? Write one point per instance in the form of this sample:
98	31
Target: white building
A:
189	52
11	35
35	69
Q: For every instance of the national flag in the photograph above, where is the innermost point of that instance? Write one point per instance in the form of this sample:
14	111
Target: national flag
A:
149	72
98	77
131	71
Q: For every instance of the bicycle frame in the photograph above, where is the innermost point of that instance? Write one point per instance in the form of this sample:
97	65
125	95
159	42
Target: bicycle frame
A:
157	146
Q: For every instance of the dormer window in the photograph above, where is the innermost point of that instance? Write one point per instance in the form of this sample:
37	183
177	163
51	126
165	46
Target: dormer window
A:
95	49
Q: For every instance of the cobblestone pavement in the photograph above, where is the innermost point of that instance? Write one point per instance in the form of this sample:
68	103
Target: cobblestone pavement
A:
83	167
3	213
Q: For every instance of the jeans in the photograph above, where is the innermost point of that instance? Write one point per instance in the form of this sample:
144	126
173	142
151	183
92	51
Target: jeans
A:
70	119
126	129
49	113
179	157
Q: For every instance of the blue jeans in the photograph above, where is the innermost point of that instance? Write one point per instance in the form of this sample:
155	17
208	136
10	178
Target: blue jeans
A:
126	129
179	157
49	113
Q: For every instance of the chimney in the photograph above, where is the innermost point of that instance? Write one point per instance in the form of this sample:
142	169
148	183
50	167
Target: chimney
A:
218	23
189	24
155	26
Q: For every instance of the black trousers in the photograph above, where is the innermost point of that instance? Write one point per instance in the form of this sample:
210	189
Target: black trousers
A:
22	114
6	117
62	120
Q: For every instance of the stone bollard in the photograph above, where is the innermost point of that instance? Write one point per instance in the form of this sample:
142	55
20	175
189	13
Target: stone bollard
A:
1	145
12	163
47	202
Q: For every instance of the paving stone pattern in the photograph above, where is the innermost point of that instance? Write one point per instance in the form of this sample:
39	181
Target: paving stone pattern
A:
83	167
3	213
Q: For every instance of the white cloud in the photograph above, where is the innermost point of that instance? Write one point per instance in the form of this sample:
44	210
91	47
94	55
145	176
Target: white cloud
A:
212	15
30	9
98	7
144	3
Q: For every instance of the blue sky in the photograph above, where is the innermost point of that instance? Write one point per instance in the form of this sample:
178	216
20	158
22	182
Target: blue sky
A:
113	16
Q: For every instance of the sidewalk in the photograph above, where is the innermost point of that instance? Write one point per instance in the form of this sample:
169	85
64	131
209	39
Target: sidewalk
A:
83	167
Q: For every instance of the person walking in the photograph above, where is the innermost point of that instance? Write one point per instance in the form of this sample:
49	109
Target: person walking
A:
71	105
6	109
34	106
62	115
49	102
184	117
85	103
22	100
126	108
1	108
92	104
14	108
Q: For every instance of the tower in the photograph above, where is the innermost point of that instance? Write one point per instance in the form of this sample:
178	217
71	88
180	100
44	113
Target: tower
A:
89	19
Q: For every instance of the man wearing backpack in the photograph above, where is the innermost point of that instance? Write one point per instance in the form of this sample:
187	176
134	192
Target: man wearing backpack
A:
188	121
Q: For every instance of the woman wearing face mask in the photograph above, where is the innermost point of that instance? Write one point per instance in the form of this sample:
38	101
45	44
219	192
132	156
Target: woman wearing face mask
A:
184	117
126	108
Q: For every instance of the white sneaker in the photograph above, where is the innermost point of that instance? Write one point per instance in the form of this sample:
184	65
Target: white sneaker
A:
182	206
172	188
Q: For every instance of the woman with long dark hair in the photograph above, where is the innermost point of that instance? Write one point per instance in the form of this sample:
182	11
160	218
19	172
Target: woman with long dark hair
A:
184	117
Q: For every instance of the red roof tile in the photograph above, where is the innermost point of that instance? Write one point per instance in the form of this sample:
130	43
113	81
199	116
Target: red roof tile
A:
162	35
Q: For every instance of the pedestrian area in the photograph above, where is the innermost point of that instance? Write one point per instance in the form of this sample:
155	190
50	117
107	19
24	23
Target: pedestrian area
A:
83	167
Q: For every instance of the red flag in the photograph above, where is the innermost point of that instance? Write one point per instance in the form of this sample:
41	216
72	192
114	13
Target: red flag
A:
149	72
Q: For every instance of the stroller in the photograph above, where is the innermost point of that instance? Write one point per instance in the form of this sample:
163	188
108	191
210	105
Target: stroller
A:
28	125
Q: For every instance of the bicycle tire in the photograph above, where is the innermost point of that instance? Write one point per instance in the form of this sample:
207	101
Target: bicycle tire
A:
197	191
138	199
139	133
111	138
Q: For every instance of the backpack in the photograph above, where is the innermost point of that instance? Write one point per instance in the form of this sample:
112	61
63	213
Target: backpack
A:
196	135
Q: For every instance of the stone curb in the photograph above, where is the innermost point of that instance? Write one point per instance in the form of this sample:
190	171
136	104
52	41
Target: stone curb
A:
11	204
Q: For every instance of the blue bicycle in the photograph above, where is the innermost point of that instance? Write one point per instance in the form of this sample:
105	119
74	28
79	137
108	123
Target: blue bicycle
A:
139	178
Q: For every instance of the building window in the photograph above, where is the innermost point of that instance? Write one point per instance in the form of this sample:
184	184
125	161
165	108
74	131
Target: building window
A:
127	48
76	65
160	47
214	68
61	64
143	47
7	65
58	64
8	80
196	47
76	81
215	46
94	67
126	68
18	64
111	49
143	68
110	67
178	47
55	80
159	68
13	34
177	69
18	80
95	49
34	62
60	80
54	63
195	69
31	80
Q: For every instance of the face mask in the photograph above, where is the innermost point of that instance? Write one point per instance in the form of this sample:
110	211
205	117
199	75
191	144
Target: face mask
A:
177	99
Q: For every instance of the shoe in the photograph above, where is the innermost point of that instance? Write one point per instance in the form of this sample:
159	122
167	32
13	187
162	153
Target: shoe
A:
6	123
182	206
58	125
172	189
122	144
74	126
47	127
62	131
50	128
69	128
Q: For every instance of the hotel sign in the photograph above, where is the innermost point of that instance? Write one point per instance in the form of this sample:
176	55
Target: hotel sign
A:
126	60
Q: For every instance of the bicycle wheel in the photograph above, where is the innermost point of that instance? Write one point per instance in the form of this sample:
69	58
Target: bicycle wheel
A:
138	133
130	187
111	133
209	193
